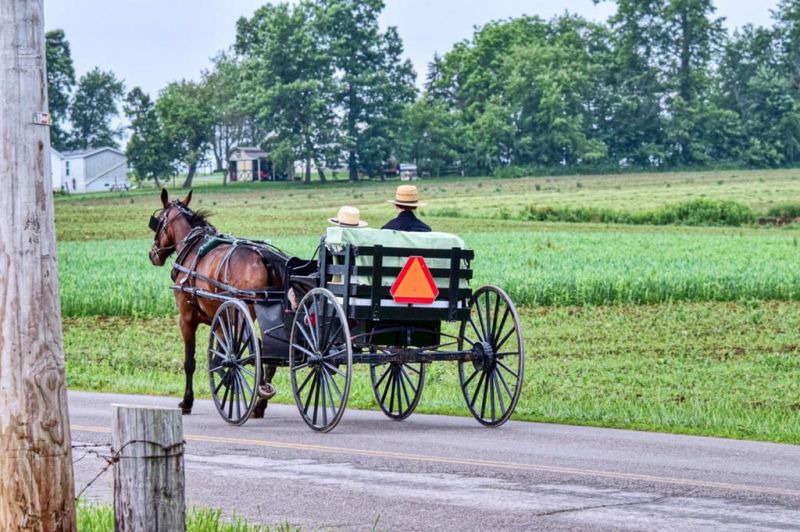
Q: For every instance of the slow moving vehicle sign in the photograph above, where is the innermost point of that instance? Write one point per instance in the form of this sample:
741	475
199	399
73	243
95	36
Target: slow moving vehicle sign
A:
415	283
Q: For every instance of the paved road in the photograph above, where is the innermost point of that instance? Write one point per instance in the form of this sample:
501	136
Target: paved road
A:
448	473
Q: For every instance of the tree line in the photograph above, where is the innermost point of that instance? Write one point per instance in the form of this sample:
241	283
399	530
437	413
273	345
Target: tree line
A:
661	84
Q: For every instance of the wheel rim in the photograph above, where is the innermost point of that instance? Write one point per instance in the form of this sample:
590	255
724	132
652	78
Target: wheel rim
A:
320	360
397	387
234	362
492	381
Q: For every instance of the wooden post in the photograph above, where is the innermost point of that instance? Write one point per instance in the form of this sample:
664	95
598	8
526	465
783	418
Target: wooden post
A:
149	478
36	482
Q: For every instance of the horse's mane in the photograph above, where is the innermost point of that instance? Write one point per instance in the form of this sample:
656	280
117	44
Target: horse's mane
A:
198	218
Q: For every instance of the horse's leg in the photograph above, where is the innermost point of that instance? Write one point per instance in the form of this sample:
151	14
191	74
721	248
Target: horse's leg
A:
261	405
189	330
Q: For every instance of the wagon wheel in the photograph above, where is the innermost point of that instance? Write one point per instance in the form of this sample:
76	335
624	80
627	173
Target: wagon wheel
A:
234	362
492	381
397	387
320	359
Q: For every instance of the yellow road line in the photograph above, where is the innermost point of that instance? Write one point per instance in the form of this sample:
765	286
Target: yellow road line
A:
470	462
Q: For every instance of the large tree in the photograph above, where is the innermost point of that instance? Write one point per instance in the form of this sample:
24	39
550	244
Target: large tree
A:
692	35
185	113
93	110
234	124
148	150
373	82
60	81
289	81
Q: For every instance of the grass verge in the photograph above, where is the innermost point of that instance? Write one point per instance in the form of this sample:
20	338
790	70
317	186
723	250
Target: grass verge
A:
716	369
100	518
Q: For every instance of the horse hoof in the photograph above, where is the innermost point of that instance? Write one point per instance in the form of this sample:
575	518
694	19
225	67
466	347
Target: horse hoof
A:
185	410
267	391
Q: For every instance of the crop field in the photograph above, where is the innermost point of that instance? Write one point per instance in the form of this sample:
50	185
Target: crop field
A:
669	327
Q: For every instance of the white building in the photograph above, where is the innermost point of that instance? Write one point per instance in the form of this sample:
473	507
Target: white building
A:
56	162
94	170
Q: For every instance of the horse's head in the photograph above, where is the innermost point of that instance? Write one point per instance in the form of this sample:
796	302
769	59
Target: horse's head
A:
170	224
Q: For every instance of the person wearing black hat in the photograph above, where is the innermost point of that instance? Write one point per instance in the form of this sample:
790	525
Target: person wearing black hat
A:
406	200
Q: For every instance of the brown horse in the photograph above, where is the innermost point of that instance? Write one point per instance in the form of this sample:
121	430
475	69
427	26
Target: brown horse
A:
237	266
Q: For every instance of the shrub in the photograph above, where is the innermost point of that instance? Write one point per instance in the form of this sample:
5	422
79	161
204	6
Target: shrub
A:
696	212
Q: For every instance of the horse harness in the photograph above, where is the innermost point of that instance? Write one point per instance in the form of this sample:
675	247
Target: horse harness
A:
205	238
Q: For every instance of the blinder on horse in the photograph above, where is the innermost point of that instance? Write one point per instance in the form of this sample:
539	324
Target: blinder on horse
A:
155	223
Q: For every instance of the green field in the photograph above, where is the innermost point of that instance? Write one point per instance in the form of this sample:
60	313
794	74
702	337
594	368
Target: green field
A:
671	328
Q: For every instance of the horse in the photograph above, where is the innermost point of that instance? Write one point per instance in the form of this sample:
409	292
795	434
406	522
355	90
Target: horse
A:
178	229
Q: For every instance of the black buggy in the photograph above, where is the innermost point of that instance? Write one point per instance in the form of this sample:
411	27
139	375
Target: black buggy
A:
345	308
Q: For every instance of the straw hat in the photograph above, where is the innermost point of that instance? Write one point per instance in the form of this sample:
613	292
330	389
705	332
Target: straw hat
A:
348	217
407	196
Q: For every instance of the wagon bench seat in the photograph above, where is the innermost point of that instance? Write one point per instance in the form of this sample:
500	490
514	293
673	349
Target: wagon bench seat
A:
338	237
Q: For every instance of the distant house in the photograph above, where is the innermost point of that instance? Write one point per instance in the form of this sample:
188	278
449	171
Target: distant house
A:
249	163
56	162
94	170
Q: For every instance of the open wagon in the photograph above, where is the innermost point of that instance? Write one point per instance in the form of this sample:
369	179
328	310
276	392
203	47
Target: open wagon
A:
379	298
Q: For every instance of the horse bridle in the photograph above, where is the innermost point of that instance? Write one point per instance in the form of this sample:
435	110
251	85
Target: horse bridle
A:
160	223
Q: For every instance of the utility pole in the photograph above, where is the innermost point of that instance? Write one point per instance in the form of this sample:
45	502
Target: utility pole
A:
36	482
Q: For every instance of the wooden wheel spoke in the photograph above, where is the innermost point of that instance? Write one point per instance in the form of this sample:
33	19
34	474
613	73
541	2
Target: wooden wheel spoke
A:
310	392
333	381
383	377
477	389
245	370
246	342
329	386
305	334
505	384
504	340
408	378
491	394
503	322
466	382
485	336
494	316
305	382
502	365
334	369
393	380
475	328
247	360
402	384
222	379
483	399
487	298
303	350
499	392
316	396
332	339
335	353
221	342
324	386
247	384
387	385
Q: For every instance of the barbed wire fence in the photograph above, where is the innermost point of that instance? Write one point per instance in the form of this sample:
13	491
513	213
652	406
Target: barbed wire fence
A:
112	457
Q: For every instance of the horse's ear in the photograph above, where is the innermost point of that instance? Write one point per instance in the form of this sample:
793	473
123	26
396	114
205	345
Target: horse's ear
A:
188	198
164	197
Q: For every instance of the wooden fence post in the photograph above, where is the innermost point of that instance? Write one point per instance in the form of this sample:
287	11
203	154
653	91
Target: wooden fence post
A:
148	478
36	482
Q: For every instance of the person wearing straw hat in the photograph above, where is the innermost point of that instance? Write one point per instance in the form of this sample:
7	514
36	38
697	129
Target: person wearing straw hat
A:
406	199
348	217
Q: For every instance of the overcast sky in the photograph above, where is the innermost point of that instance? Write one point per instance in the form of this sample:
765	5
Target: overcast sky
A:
152	42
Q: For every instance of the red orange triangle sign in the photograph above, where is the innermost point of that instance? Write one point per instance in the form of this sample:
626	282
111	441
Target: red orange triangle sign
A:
415	283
